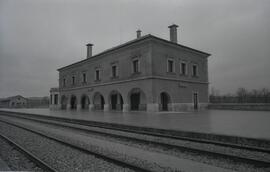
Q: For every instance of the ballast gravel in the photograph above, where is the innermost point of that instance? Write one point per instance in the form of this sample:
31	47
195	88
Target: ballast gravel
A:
16	160
60	157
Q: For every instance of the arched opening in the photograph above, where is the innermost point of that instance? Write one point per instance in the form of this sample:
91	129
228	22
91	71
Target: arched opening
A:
98	101
164	101
85	102
137	100
116	101
64	102
73	102
195	101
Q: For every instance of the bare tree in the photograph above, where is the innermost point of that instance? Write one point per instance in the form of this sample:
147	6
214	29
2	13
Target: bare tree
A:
265	94
241	94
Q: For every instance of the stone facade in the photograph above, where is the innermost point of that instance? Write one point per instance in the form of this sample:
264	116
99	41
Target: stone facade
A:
148	73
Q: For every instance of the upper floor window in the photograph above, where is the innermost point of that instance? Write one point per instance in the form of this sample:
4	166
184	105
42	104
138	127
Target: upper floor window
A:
73	80
114	71
183	68
136	66
170	65
64	82
84	77
194	70
97	75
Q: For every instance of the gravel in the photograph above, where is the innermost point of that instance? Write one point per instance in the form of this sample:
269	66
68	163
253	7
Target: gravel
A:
60	157
16	160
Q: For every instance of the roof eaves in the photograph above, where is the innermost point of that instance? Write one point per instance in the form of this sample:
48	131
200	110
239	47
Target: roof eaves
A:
110	50
131	42
192	49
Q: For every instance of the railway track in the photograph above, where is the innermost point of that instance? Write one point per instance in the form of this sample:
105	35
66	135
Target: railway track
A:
40	163
96	129
47	167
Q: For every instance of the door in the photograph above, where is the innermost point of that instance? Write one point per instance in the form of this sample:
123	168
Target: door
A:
135	101
114	101
164	102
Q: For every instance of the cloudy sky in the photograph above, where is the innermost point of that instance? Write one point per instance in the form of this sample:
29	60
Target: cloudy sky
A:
39	36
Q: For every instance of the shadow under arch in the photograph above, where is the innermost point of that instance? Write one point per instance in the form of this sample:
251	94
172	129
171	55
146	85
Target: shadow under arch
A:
64	101
85	101
165	100
137	100
73	102
115	100
98	101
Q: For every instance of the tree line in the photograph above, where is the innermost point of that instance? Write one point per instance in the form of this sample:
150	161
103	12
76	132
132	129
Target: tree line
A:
242	95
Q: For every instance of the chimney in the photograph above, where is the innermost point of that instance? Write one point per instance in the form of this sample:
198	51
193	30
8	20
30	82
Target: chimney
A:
173	33
89	50
139	33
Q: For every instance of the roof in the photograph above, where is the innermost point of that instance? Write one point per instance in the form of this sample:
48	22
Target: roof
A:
149	36
54	89
12	97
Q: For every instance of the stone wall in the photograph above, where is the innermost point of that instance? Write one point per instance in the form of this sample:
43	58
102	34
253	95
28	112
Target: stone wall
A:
246	106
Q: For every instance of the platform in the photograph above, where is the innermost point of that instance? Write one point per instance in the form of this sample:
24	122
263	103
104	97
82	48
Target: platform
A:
252	124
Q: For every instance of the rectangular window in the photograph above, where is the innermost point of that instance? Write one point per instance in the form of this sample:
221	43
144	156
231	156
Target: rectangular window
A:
84	77
183	68
114	71
97	75
194	70
64	82
73	80
135	65
56	99
170	65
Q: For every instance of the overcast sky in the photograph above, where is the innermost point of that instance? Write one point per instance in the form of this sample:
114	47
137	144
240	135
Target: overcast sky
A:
39	36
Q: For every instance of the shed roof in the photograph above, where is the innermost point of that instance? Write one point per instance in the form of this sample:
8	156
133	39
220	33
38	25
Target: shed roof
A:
12	97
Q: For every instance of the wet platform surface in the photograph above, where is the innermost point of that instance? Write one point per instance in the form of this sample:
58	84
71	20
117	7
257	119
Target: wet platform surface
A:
253	124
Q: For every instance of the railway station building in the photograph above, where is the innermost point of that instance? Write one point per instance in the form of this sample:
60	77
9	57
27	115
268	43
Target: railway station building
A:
145	74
